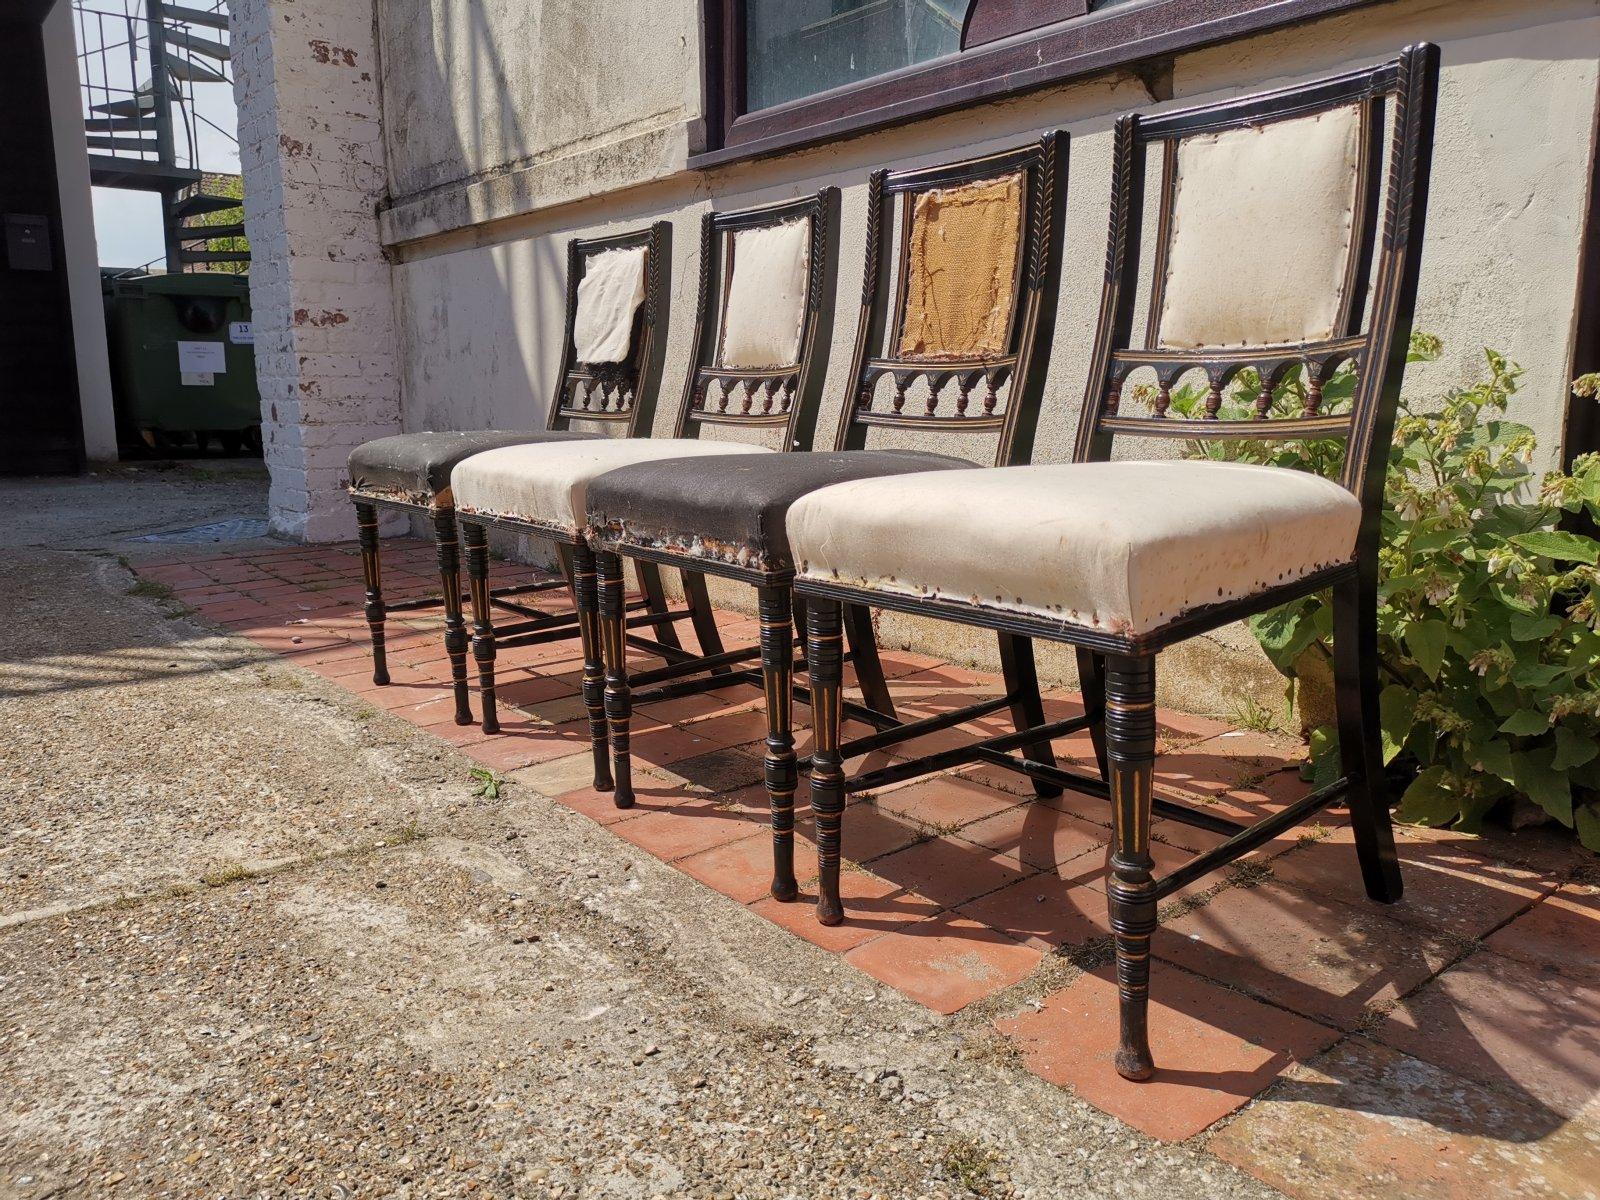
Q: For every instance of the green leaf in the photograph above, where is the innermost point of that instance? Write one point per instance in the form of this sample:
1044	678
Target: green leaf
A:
1426	641
1493	757
1573	749
1430	800
1526	627
1397	712
1567	547
1324	753
1525	722
1547	787
1588	823
1537	675
1474	808
1284	633
1585	652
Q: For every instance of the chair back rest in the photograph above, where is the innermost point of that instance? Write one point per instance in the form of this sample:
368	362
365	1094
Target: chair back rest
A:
1283	241
764	319
615	340
958	299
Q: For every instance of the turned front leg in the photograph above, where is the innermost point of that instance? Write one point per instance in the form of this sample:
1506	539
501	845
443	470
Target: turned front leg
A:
586	594
372	575
825	641
780	766
618	695
455	625
1130	754
477	539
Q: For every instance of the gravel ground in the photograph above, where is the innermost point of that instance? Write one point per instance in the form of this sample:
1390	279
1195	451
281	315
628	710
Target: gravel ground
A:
258	941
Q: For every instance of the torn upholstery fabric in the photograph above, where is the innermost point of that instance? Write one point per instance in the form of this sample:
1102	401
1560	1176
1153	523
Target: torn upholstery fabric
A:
961	280
609	294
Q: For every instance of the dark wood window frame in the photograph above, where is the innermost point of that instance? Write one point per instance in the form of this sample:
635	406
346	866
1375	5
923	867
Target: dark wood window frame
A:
1136	36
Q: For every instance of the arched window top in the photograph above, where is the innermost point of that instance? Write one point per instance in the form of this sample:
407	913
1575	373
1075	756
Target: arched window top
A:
990	20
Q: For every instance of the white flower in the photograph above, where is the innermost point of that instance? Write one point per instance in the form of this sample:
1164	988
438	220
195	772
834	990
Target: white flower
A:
1504	562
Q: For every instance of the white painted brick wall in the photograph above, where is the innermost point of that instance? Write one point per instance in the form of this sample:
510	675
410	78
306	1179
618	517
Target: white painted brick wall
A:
310	142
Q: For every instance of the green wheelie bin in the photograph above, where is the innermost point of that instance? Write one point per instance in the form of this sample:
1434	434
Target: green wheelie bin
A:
183	360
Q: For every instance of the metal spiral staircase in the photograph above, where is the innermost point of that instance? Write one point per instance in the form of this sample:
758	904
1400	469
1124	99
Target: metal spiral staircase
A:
140	65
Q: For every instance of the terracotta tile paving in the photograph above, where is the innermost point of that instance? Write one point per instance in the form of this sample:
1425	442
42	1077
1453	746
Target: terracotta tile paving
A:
1214	1049
684	829
1034	835
946	802
1523	1030
1332	961
742	870
876	907
1447	887
946	962
1485	1071
1562	933
947	870
1366	1121
1046	910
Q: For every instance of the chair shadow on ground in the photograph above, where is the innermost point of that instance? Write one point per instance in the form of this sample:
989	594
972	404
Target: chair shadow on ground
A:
1032	876
978	845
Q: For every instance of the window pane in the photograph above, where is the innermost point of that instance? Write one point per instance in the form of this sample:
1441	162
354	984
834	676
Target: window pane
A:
797	48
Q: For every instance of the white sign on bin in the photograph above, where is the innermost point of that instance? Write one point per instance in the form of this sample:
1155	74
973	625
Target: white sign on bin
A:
242	333
202	358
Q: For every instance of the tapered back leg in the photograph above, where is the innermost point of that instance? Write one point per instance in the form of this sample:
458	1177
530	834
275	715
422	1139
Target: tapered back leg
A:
455	625
483	651
1355	669
655	601
1027	706
862	640
702	617
618	694
1092	684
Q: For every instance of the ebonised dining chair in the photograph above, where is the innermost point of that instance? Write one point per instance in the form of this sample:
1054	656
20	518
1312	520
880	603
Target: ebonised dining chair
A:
617	308
1288	240
958	299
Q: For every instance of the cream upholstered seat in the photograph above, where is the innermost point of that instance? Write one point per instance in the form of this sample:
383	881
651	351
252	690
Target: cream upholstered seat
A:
547	485
1126	547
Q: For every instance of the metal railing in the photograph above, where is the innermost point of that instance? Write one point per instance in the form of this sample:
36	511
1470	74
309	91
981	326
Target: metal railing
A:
138	73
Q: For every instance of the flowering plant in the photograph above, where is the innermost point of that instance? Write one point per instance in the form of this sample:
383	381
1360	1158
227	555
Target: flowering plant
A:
1489	611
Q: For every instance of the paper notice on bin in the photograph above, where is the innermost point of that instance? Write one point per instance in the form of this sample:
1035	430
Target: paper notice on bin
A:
201	358
197	379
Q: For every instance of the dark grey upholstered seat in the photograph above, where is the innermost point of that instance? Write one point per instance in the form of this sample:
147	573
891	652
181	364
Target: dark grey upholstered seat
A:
415	467
732	508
